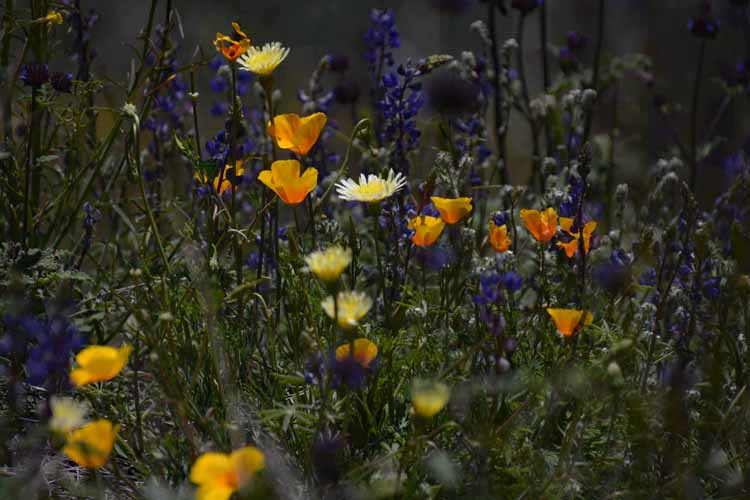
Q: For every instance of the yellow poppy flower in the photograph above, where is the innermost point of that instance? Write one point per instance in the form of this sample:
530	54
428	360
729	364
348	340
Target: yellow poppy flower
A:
427	229
330	263
67	414
91	445
365	352
218	475
541	224
298	134
569	321
571	247
372	188
232	48
98	363
452	210
352	307
285	180
499	237
429	398
263	61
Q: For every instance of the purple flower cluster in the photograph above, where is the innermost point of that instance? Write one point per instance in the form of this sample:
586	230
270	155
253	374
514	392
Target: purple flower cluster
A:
401	101
43	346
381	38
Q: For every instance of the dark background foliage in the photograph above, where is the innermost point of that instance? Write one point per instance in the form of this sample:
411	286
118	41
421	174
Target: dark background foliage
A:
658	29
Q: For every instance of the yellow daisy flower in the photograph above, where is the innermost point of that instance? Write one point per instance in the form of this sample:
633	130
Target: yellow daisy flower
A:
330	263
264	60
352	307
67	415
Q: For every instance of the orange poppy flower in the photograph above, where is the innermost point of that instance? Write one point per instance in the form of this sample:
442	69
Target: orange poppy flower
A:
452	210
569	321
232	48
227	180
499	237
219	475
295	133
541	224
365	352
427	230
571	247
285	180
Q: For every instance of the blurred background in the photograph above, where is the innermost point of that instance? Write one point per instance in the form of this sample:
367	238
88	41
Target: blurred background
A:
657	29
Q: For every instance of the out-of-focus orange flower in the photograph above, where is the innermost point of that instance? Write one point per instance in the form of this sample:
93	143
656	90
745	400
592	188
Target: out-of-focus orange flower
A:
499	237
91	445
571	247
98	363
569	321
218	475
427	229
232	48
298	134
452	210
365	351
541	224
285	180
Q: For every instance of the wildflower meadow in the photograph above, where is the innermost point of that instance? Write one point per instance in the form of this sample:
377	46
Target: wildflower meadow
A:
449	275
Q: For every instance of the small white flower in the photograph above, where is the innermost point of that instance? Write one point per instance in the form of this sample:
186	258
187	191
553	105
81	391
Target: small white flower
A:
67	415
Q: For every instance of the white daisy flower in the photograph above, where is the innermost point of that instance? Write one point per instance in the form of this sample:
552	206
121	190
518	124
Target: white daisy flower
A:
370	189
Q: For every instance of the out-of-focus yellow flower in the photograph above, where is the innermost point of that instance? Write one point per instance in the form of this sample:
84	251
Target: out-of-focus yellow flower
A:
67	415
365	352
232	48
571	247
98	363
499	237
218	475
370	189
285	180
541	224
264	60
352	307
427	229
452	210
330	263
298	134
569	321
52	17
91	445
429	398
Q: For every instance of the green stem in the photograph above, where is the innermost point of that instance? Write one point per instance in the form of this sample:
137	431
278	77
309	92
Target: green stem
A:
146	204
